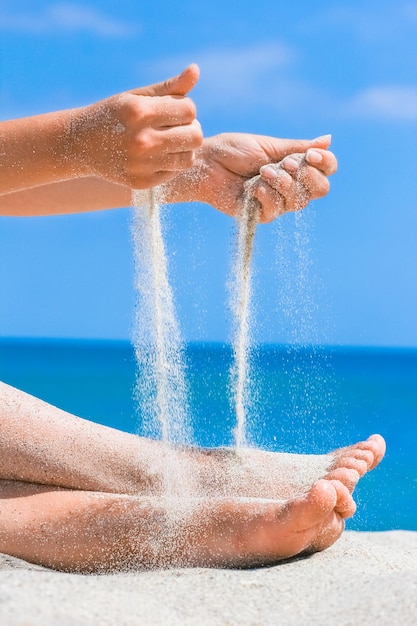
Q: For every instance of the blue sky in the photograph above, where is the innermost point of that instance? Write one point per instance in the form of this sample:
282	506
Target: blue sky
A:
344	272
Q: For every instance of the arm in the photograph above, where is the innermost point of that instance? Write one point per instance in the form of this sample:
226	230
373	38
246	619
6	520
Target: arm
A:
223	166
139	138
78	195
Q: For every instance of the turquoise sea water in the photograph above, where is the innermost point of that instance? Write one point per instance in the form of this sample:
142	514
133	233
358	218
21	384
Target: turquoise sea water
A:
304	400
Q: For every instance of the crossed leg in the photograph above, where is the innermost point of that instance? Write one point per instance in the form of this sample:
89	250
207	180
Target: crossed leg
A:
95	532
80	497
42	444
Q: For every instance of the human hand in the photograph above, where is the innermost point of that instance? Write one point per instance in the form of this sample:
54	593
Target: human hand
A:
283	174
139	138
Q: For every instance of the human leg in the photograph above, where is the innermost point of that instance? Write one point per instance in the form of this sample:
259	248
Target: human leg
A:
100	532
42	444
257	473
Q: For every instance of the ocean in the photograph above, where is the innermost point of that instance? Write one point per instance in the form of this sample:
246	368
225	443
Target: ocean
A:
306	400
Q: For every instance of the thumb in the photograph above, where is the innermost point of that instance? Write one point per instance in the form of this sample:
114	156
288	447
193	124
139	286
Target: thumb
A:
277	149
178	85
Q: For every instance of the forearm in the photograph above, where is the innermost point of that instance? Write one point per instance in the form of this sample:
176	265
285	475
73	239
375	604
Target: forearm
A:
39	150
45	181
92	193
71	196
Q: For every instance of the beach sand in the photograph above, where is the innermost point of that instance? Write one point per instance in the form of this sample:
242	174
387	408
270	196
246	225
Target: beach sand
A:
365	578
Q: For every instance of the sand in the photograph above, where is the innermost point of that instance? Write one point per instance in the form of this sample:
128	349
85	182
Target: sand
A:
365	578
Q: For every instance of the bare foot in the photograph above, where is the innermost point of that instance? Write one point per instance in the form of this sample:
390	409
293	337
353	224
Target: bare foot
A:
361	457
236	531
91	532
257	473
249	533
43	444
63	481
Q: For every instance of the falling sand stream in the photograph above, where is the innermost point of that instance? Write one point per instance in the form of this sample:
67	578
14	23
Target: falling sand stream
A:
241	308
161	385
161	390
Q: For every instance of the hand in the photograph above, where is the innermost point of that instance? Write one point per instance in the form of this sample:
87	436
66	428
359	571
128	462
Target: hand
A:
228	163
139	138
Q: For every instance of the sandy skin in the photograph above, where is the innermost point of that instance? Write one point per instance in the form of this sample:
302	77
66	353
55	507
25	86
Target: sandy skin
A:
105	510
81	497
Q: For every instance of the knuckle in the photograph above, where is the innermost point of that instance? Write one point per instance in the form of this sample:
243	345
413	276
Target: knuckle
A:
141	111
142	143
134	106
189	108
165	86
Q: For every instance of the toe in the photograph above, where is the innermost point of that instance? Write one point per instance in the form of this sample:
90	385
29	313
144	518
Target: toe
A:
354	458
337	504
345	505
371	451
346	475
292	528
378	446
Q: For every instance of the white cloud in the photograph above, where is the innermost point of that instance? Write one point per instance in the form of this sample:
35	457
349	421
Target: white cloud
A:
234	69
65	16
260	74
266	77
385	102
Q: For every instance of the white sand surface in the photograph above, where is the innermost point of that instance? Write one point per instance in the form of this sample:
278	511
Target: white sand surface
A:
365	578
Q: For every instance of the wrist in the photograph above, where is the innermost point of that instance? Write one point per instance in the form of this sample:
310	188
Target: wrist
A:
76	143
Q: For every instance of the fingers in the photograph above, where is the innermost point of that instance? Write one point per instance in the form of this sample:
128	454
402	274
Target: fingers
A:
169	149
158	143
159	132
175	86
291	184
179	138
277	149
158	171
152	179
167	111
160	154
322	160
